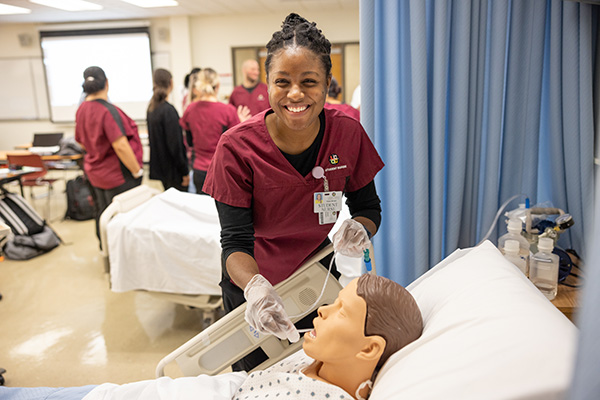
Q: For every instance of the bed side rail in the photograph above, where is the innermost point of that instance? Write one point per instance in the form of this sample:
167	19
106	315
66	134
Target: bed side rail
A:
229	339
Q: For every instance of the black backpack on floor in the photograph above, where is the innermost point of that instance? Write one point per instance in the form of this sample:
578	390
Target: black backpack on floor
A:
30	234
80	202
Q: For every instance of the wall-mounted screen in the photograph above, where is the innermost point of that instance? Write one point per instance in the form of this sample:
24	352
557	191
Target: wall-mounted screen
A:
124	55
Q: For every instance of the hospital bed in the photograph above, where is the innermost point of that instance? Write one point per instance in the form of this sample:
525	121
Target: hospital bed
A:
488	334
166	243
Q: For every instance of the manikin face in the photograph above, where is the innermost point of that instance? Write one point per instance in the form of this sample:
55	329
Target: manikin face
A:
252	71
339	329
297	87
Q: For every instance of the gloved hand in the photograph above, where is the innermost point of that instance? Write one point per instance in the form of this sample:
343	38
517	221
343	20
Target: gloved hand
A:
264	311
351	239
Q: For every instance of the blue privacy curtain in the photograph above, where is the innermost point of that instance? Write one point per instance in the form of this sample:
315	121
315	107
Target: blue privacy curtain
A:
470	103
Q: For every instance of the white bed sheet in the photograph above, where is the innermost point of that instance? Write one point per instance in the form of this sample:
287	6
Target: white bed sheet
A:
220	387
171	243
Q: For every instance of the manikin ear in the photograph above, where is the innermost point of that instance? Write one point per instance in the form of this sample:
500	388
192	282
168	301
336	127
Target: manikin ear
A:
372	351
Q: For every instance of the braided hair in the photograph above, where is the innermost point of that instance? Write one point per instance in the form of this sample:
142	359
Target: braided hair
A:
162	81
297	31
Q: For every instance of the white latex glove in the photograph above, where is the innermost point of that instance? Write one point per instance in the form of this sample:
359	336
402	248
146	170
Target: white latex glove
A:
264	311
351	239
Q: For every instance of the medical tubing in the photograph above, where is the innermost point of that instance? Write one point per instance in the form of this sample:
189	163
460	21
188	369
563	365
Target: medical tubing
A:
489	232
322	291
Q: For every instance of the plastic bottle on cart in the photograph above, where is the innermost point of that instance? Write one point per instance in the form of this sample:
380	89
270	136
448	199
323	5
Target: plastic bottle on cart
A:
518	213
511	252
544	268
514	227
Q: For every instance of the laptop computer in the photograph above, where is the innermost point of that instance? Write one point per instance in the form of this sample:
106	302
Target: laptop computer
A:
46	143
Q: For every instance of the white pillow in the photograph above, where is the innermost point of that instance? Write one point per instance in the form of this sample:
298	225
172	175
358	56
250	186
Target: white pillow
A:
488	334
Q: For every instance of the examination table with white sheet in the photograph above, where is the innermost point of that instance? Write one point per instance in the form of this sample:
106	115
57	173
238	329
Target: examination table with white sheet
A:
166	243
488	334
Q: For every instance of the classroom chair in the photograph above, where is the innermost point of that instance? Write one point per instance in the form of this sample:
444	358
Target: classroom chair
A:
34	179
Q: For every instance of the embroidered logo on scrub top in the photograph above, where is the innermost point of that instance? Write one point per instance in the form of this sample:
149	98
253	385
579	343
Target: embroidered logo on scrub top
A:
334	159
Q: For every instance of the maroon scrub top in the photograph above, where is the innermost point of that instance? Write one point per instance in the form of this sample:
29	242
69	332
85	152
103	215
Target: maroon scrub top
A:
347	108
96	130
256	100
248	170
207	121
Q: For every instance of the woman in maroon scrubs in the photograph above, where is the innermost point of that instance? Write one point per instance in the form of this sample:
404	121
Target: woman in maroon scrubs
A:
204	121
113	159
267	172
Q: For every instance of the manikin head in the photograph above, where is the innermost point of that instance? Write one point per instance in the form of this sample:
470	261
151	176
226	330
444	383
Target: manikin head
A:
392	313
372	318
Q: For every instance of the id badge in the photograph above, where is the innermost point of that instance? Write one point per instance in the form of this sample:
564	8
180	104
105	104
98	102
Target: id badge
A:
327	205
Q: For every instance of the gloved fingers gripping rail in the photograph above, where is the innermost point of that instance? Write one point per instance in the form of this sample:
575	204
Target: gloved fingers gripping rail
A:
351	239
265	312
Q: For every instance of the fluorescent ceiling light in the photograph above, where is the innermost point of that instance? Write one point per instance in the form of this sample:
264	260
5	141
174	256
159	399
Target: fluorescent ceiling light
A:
69	5
152	3
8	10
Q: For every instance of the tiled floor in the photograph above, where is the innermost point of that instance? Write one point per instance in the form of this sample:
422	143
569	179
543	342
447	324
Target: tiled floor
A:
60	325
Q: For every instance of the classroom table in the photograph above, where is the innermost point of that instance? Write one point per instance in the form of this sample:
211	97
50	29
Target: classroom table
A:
52	161
9	175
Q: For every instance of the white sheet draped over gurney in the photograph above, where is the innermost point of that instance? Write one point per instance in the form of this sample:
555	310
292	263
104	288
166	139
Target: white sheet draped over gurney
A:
170	243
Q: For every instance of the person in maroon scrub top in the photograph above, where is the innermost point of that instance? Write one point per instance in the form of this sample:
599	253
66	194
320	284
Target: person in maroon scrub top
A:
266	173
204	121
252	93
332	102
113	159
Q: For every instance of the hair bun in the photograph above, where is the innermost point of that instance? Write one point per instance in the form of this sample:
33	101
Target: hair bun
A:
94	79
298	31
294	20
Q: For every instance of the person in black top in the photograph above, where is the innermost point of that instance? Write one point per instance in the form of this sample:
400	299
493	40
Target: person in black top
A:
168	160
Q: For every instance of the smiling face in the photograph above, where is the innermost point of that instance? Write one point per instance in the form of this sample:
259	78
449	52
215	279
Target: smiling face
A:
297	86
251	71
339	329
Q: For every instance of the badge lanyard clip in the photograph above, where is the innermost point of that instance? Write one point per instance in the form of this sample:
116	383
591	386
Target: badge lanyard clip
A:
318	172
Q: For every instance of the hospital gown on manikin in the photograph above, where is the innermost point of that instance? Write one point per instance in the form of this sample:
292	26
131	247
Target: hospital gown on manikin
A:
285	380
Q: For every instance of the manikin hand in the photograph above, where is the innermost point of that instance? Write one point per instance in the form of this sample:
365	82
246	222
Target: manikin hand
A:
351	239
264	311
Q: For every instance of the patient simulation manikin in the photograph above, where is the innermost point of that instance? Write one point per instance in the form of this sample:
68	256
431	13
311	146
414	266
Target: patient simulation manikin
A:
372	318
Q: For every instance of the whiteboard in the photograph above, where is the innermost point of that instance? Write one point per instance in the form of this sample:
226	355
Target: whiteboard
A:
23	89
